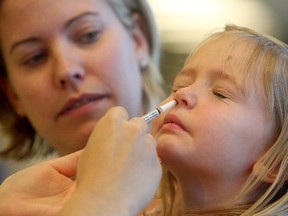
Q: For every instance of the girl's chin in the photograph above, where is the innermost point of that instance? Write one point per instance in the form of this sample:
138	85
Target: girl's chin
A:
167	145
167	138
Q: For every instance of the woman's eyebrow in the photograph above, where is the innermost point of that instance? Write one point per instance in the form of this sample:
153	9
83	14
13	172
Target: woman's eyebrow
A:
36	39
21	42
80	16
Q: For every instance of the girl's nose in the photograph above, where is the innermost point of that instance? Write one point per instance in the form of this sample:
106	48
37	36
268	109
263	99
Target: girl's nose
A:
186	97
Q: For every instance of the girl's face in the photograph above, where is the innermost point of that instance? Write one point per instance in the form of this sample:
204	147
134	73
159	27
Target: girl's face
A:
220	127
68	62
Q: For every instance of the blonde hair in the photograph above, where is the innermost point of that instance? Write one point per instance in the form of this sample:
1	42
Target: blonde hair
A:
269	57
22	137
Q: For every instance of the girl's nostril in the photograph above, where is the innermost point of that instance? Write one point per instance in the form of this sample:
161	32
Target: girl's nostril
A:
184	102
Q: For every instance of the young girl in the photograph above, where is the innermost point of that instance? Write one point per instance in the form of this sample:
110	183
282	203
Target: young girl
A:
224	146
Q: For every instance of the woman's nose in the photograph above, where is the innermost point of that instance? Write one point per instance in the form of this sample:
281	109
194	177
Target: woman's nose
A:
69	77
67	66
186	97
68	71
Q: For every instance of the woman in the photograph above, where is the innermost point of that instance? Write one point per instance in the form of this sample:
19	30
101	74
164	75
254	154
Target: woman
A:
65	63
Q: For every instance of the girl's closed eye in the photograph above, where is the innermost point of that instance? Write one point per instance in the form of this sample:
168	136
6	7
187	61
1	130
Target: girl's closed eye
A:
221	93
177	88
180	85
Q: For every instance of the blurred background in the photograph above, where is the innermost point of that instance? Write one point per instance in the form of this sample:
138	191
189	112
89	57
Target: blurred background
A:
183	23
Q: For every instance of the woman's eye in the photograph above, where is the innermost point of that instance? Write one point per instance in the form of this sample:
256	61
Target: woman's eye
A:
35	59
89	37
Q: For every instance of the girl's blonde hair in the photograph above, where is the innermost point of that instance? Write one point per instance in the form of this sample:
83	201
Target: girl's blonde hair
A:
22	137
269	57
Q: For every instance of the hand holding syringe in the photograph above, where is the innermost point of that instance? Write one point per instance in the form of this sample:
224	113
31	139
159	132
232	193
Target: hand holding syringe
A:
156	112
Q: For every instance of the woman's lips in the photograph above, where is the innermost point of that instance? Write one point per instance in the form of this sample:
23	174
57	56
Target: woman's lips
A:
172	121
83	100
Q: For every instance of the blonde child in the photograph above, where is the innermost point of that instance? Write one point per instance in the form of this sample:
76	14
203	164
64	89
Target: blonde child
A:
224	146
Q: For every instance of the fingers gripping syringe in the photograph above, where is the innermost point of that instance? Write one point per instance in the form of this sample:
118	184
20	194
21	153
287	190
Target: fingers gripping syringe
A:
156	112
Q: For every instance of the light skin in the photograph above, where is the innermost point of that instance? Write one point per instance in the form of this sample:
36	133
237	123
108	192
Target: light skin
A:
42	189
126	167
212	139
128	170
67	67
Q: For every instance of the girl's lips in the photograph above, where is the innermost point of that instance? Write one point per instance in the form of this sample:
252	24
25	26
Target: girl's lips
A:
75	103
172	119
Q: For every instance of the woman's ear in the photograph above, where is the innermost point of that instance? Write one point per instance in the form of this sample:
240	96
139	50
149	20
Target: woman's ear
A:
12	97
260	170
139	34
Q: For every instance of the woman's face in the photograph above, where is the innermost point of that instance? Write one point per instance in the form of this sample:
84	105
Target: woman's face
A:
68	62
220	127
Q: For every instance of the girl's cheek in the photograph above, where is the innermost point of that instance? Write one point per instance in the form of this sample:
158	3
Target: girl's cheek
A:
156	125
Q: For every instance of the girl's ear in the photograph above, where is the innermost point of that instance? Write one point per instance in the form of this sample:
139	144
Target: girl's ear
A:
260	170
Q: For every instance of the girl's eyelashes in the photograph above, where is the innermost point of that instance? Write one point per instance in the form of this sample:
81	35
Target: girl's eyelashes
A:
176	88
180	85
220	93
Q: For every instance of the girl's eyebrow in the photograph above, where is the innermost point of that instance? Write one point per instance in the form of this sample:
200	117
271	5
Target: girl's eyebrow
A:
219	74
36	39
216	74
222	75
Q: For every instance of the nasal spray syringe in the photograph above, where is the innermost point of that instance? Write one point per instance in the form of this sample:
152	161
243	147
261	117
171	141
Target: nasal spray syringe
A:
156	112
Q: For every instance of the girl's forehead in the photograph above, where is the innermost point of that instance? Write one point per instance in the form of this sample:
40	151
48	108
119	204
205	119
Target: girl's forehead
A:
226	46
225	54
228	56
229	52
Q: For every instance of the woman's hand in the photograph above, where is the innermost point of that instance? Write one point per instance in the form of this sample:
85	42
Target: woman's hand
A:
118	174
41	189
119	170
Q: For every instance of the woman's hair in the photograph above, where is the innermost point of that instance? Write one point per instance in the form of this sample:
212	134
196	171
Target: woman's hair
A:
23	141
151	77
269	57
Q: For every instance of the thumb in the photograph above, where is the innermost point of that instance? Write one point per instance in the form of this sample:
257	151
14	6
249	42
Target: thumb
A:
67	165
